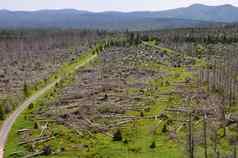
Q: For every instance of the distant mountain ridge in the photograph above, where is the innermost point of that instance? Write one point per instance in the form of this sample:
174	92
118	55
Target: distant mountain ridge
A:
192	16
222	13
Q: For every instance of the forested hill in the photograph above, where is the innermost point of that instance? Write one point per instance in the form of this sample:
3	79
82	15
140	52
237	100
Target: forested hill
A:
195	15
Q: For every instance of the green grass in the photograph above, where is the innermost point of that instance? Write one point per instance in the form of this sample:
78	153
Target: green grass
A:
13	139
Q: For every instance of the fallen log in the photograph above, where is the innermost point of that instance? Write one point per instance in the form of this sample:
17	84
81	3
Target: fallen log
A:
194	111
65	107
117	116
34	140
232	118
23	130
43	128
44	140
34	154
154	117
17	153
121	123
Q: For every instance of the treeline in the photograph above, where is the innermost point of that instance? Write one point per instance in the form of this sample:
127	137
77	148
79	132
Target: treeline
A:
221	75
211	35
23	40
44	39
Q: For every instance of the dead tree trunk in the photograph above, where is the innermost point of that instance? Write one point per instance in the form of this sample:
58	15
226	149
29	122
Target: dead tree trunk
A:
234	151
205	135
190	137
216	152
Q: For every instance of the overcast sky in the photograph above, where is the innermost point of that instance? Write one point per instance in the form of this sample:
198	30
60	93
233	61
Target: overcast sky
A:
106	5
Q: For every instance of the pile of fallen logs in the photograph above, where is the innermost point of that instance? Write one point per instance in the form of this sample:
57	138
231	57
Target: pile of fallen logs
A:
27	139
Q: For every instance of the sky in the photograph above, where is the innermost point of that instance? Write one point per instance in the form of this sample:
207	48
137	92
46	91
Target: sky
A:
106	5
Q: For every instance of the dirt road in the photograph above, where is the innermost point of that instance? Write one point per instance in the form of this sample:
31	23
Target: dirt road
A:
6	126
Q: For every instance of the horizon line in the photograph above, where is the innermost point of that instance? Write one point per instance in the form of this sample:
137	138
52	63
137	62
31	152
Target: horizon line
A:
102	11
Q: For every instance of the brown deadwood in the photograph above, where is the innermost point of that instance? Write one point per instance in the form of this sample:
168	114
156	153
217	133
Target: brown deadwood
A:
232	118
34	154
23	130
36	140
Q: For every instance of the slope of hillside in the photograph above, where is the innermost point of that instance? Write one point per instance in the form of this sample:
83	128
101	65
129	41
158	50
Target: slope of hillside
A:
195	15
